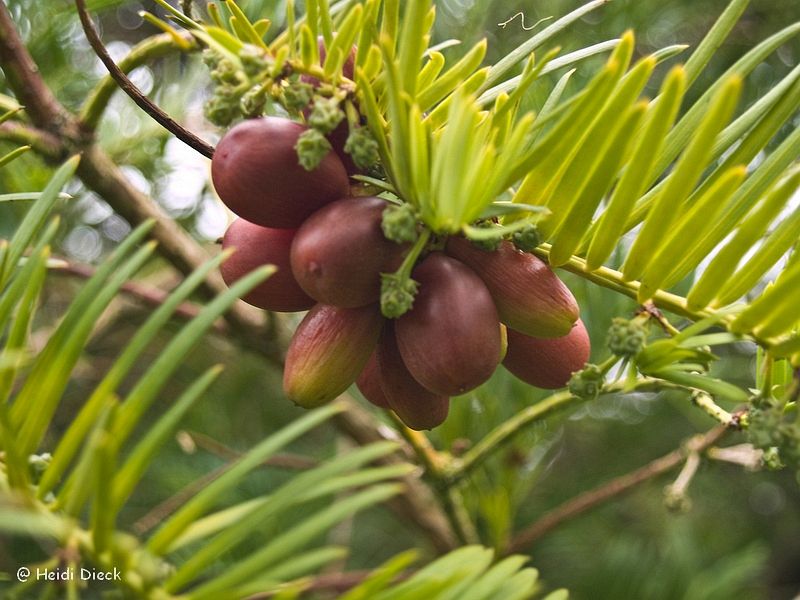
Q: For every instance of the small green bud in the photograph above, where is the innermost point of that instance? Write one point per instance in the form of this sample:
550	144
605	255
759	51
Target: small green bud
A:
587	383
397	295
399	224
223	107
326	114
626	338
764	428
311	148
211	58
254	60
527	239
676	502
226	72
37	464
297	95
362	147
772	459
488	245
253	102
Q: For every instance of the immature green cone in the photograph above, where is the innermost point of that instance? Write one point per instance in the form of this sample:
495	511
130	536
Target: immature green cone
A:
587	383
253	102
298	95
397	295
311	148
326	114
254	60
399	224
626	338
490	244
223	107
527	239
225	72
362	147
328	351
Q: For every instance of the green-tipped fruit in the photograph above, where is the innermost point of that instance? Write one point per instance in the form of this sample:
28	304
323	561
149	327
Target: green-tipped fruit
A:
450	340
547	363
328	351
529	297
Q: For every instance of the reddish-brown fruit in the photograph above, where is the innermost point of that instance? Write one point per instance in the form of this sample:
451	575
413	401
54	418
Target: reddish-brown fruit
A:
256	246
450	340
369	383
530	298
339	253
257	175
547	363
416	406
328	351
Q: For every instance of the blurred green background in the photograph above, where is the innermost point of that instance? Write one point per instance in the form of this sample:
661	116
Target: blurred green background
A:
741	538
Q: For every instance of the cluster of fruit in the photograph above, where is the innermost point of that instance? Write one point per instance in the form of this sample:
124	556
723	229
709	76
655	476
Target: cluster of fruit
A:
473	310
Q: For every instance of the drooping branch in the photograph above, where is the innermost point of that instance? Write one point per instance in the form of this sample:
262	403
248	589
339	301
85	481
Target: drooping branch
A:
151	296
127	86
151	48
613	489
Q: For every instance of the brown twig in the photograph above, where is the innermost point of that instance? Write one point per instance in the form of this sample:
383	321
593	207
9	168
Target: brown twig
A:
294	462
148	295
174	502
612	489
127	86
335	582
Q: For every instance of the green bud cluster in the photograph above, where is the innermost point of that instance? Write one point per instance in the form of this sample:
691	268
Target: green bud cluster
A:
223	107
362	147
397	295
326	114
255	60
780	439
252	102
587	383
226	73
297	95
311	148
491	244
527	239
211	58
399	224
626	338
